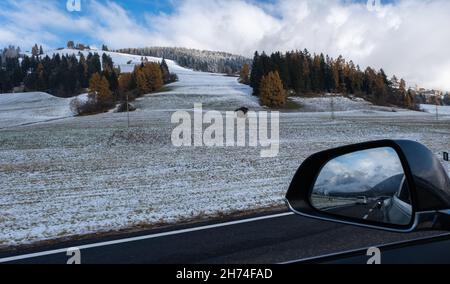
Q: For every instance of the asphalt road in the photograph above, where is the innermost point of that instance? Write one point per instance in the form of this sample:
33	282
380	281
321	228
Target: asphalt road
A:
260	239
359	211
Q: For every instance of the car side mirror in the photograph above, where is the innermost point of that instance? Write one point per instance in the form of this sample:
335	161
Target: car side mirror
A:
394	185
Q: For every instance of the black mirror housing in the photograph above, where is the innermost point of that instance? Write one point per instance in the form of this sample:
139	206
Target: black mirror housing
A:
428	181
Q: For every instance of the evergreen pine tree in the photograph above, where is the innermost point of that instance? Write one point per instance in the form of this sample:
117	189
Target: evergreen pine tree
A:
41	78
256	74
83	72
94	64
167	78
34	50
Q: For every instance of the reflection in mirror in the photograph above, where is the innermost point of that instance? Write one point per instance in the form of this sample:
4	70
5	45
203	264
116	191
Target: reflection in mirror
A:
367	185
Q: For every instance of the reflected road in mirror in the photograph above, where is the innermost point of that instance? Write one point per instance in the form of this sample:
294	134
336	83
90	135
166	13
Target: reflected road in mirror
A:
366	185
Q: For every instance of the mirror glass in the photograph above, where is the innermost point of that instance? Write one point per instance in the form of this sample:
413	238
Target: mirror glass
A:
367	185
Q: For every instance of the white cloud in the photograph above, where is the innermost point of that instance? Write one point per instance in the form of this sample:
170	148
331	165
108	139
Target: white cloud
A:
359	170
25	23
234	26
409	38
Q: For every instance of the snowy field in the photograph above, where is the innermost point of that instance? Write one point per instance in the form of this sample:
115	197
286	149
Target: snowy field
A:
23	108
85	175
27	108
442	110
337	103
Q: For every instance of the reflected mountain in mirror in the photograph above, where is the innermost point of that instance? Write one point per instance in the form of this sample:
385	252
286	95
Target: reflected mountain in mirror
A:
367	185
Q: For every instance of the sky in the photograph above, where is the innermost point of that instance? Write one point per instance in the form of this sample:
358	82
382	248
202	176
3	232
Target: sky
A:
359	170
409	38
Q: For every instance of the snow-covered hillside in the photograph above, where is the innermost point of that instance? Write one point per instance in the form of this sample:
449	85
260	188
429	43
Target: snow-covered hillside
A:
442	110
126	62
327	103
199	60
346	106
25	108
34	107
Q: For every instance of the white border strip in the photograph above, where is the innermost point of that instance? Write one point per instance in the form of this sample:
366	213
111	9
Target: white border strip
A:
136	239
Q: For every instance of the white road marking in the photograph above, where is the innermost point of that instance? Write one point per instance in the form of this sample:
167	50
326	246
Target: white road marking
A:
141	238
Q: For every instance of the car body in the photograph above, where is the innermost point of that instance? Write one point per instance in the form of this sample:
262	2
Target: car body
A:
414	197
